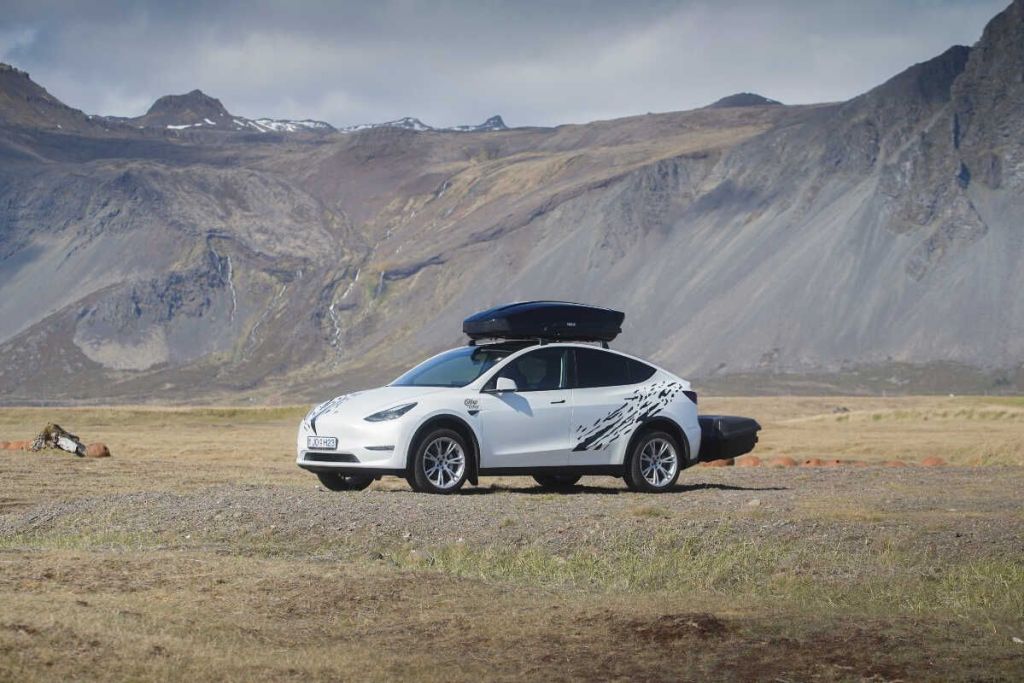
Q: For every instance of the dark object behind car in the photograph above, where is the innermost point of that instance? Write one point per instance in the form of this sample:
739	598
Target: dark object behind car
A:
726	436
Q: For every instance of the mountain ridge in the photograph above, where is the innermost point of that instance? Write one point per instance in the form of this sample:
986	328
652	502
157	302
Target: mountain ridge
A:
866	245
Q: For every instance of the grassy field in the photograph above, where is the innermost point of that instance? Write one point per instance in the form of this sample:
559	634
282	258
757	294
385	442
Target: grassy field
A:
200	551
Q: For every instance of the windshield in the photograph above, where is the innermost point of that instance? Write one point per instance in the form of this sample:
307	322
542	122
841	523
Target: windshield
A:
455	368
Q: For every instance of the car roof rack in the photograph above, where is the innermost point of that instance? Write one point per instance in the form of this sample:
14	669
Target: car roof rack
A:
545	321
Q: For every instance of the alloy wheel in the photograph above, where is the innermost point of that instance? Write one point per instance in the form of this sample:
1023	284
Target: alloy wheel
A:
444	462
658	462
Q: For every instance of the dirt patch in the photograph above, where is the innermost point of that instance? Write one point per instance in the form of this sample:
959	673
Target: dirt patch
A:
22	629
672	627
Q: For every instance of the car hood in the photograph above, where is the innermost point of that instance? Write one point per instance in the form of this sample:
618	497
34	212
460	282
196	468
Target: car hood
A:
362	403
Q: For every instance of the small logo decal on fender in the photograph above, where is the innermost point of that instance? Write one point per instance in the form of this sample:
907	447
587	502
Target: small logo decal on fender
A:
472	404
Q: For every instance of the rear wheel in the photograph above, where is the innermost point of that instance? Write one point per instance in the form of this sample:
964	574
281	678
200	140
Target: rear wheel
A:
441	462
344	482
557	482
653	465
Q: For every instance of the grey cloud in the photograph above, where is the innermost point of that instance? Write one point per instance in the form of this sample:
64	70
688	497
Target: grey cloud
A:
536	63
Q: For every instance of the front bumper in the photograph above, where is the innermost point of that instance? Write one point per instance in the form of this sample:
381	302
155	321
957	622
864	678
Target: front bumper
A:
362	446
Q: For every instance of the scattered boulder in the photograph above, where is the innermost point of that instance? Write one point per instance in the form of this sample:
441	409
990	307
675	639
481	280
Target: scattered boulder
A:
726	462
813	462
749	461
97	450
53	436
784	461
933	461
832	463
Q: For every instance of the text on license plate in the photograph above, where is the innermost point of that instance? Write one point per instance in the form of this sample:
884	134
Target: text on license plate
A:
328	442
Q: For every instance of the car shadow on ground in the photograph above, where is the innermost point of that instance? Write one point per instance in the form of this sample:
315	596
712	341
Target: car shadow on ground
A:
602	490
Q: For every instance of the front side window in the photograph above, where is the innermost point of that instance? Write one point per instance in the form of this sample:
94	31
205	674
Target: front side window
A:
540	370
455	368
597	368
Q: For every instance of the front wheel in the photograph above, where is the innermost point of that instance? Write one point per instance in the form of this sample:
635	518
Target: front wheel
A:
653	465
441	462
344	482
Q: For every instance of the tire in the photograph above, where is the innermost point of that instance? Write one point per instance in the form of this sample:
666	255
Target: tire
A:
654	463
412	483
441	462
557	482
344	482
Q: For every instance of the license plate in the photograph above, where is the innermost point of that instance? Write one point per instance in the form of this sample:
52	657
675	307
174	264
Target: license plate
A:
322	442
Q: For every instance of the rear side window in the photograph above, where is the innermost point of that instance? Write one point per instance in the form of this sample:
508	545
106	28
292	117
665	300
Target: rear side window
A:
596	368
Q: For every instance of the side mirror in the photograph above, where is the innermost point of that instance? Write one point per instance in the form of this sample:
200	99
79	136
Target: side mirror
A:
505	384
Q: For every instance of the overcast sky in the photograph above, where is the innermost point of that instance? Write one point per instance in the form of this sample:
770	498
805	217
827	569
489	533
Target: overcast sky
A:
452	62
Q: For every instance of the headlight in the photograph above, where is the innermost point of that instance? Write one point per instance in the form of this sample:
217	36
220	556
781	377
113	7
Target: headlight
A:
391	413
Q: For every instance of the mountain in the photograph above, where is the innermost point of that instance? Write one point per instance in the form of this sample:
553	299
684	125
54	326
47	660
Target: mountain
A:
23	102
410	123
198	111
867	245
743	99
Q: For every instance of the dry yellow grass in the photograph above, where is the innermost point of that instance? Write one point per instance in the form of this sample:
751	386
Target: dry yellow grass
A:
743	574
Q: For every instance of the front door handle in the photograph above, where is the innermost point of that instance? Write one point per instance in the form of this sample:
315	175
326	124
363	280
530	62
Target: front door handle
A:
554	402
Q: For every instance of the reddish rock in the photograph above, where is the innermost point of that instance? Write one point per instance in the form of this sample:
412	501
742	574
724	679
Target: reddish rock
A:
813	462
784	461
97	450
3	445
749	461
19	445
831	463
727	462
933	461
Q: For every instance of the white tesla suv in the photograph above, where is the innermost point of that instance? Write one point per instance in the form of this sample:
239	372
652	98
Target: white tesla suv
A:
543	407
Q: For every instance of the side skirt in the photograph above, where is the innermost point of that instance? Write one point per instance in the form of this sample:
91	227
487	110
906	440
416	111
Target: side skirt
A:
583	470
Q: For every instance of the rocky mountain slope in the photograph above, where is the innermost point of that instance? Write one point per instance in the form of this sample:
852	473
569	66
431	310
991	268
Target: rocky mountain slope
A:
874	244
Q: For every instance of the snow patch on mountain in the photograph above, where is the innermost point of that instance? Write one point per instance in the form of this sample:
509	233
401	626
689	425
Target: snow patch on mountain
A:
414	124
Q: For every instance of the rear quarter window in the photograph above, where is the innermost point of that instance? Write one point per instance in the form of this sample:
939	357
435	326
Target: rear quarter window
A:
597	368
639	372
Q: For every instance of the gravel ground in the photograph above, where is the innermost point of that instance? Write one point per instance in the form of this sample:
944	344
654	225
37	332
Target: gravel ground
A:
956	512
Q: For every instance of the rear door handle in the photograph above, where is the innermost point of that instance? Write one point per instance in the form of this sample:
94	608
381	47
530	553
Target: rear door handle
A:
554	402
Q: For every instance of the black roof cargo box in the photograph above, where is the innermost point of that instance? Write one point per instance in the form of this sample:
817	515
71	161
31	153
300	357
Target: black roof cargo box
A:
547	320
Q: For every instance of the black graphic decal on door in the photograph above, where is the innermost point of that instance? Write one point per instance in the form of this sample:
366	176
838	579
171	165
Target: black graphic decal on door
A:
642	404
